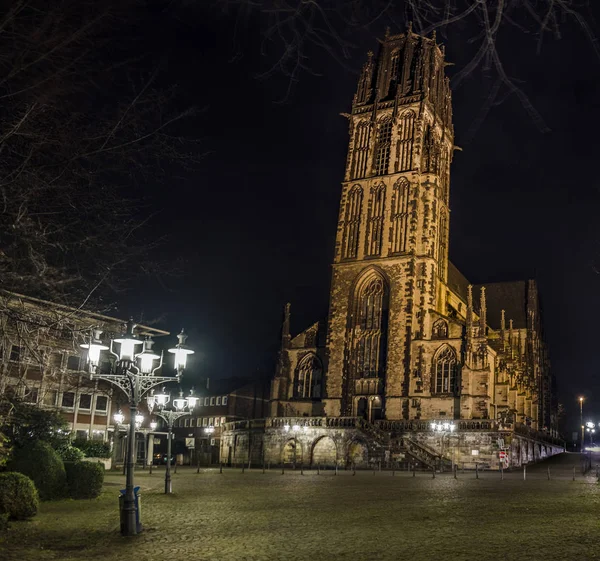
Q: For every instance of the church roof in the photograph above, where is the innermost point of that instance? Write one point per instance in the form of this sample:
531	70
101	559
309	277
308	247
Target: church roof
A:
508	296
457	281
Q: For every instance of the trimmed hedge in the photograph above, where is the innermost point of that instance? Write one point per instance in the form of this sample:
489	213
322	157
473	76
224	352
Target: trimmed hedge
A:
70	453
85	479
18	496
39	461
93	448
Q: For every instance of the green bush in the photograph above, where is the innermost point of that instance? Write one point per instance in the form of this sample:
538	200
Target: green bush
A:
18	496
93	448
70	453
39	461
85	479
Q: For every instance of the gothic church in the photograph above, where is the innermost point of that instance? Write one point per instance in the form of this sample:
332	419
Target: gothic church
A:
409	344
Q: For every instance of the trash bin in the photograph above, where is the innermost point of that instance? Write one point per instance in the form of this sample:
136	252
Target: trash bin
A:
138	509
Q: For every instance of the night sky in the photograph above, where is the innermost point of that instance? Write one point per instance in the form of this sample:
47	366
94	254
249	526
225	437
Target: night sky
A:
255	221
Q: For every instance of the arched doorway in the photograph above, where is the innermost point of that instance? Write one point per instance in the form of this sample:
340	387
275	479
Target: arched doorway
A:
358	454
292	452
324	452
362	408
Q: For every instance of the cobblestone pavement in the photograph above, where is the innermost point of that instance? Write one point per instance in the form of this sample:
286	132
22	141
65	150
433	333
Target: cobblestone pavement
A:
260	517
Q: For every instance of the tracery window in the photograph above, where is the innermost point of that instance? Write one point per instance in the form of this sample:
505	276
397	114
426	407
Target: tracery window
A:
361	149
431	152
399	216
439	329
442	244
406	133
352	223
446	371
375	220
368	330
383	145
309	374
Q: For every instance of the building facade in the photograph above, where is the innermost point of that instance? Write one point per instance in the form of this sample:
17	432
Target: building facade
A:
410	349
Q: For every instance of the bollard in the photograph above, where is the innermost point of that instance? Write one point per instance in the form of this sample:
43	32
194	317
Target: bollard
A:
393	472
336	467
301	469
433	472
379	465
573	473
263	466
548	473
414	470
455	469
353	468
501	471
175	471
150	469
524	473
476	471
221	468
243	468
282	468
318	469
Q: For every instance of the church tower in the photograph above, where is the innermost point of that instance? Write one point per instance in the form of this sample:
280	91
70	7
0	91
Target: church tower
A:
391	256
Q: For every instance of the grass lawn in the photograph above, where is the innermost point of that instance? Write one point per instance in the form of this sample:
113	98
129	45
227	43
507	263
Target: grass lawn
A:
260	517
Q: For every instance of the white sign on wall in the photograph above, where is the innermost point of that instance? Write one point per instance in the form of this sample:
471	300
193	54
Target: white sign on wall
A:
474	452
190	442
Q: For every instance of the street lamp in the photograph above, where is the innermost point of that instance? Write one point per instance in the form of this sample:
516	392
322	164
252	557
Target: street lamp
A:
118	417
590	429
581	420
134	374
183	406
444	429
295	430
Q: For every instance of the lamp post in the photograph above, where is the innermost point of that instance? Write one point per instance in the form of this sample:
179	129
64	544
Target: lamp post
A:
118	418
581	420
295	430
209	431
590	429
182	406
134	374
146	431
445	429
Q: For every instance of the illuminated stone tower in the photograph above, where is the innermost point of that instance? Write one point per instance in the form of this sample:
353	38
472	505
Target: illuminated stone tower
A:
391	257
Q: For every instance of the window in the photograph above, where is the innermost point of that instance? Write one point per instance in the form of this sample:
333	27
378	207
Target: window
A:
439	329
224	400
206	400
192	422
442	244
431	152
352	223
212	400
361	150
31	395
223	420
308	378
416	403
446	370
49	397
382	149
101	403
97	435
68	399
211	422
219	400
85	401
205	422
199	421
187	423
368	330
406	133
15	353
375	221
81	435
399	218
217	421
73	363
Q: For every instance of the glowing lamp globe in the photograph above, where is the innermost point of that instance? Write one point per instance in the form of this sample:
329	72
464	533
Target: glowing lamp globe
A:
147	357
128	341
94	347
181	352
119	417
153	425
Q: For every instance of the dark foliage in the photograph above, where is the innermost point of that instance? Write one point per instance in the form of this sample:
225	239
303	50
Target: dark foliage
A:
84	479
70	453
39	461
18	496
93	448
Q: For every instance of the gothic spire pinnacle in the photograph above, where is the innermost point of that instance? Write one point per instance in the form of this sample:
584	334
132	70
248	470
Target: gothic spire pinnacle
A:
285	330
482	313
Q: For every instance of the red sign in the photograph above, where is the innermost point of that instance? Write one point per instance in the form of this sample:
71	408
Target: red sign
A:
502	455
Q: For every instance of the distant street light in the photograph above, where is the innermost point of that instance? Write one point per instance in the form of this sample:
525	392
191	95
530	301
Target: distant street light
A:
581	420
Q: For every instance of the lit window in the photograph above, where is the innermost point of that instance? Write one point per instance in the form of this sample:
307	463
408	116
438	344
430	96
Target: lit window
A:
222	420
101	403
217	421
192	422
81	435
205	422
206	400
68	399
219	400
224	400
98	435
211	422
85	401
446	371
212	400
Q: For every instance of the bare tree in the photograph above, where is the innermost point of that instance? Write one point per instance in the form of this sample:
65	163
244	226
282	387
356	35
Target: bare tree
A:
294	28
82	122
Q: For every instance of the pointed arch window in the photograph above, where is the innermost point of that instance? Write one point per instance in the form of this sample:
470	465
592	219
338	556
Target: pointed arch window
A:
406	134
399	216
351	234
383	145
361	149
375	220
439	329
446	371
309	378
431	152
368	328
442	245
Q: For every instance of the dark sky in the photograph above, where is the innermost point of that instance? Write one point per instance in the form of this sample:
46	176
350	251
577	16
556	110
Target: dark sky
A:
256	220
